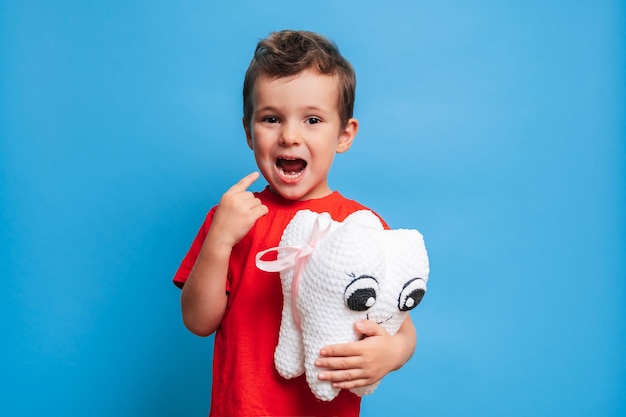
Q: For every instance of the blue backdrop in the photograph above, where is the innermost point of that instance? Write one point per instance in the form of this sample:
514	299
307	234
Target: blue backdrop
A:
497	128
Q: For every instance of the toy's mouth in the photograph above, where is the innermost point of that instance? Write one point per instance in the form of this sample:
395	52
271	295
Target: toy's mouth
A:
290	167
379	321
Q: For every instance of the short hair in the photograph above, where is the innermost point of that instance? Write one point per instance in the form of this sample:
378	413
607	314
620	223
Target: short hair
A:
289	52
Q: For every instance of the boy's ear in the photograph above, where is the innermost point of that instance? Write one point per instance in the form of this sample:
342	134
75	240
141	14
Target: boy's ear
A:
246	129
347	135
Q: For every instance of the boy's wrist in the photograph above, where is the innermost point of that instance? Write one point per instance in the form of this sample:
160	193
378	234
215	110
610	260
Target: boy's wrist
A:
218	244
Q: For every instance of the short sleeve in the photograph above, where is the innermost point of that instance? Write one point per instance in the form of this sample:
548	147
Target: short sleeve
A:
190	258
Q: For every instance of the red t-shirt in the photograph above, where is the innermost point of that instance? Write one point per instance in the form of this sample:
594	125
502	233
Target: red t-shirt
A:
245	381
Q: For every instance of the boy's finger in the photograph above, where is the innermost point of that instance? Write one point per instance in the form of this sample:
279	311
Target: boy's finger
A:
339	350
369	328
259	209
245	182
338	363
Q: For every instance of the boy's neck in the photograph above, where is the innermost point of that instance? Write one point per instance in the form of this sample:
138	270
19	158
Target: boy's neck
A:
318	196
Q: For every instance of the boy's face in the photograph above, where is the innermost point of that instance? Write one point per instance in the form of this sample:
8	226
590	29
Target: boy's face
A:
295	132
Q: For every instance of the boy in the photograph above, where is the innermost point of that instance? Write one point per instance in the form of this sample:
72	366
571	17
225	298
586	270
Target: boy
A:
298	98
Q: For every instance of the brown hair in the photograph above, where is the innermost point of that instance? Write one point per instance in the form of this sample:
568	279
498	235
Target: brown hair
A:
289	52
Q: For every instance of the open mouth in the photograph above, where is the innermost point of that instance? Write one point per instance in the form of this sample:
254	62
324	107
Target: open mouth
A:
291	167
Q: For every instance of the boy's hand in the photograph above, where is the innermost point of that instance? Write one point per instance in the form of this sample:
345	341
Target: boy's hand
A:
237	212
204	299
356	364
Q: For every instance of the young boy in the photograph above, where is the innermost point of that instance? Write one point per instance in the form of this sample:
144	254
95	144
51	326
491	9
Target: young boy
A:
298	98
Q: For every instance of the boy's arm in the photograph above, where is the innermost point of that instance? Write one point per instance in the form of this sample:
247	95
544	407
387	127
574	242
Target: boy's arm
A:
356	364
203	298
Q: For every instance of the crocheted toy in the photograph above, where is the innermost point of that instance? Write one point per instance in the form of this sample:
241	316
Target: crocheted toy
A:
334	274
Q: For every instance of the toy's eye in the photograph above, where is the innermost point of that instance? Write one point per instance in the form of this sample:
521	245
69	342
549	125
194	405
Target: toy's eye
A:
360	294
411	294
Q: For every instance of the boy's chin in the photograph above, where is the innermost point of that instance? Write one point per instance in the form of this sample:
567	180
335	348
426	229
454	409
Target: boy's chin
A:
286	193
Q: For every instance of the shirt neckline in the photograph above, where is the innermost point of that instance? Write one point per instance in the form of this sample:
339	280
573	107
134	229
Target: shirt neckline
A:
275	199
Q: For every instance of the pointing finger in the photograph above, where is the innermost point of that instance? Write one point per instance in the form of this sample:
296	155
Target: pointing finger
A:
245	182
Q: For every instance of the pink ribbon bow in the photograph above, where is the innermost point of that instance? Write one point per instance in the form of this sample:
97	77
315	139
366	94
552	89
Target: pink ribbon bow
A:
296	257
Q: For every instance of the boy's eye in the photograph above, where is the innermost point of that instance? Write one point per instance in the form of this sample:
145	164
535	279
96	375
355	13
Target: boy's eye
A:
270	119
313	120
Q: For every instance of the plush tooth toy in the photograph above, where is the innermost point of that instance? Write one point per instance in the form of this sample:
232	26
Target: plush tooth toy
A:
334	274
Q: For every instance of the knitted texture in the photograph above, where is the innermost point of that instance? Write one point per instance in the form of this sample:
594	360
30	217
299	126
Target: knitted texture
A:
343	272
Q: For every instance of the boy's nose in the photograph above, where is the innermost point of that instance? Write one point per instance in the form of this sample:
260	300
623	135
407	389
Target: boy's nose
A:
290	136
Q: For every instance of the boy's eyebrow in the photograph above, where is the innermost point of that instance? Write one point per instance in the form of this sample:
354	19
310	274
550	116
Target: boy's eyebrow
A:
264	109
314	108
271	108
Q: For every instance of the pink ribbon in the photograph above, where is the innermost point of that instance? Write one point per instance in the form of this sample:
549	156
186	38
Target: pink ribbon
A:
296	257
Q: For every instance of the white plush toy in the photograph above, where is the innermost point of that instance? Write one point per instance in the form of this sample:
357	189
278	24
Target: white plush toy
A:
334	274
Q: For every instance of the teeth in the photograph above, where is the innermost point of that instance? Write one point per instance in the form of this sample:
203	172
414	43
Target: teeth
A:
291	167
291	174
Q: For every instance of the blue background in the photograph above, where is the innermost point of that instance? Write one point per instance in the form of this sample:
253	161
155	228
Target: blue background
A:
497	128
